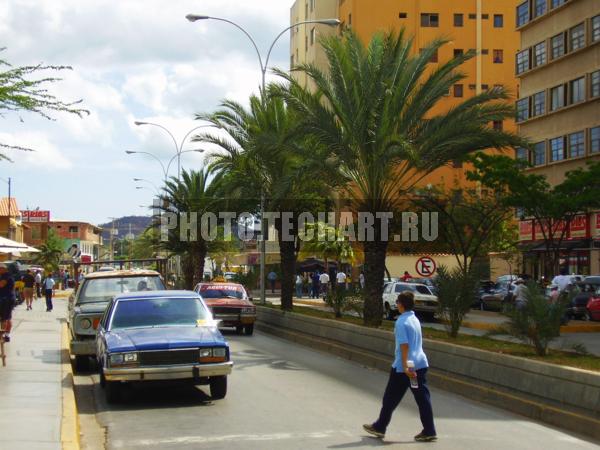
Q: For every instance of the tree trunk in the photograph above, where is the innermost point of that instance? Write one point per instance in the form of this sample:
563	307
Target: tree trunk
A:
187	269
374	268
287	253
199	257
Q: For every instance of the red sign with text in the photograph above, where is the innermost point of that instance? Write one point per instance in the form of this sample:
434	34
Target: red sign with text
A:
578	228
35	216
526	230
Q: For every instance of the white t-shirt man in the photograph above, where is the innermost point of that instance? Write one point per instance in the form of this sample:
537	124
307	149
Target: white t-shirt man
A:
562	281
341	278
324	278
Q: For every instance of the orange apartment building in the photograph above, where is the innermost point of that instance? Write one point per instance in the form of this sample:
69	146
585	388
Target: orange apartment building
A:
485	26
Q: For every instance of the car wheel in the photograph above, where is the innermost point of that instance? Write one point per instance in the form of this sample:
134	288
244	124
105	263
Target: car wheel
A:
112	390
82	363
249	329
239	329
218	387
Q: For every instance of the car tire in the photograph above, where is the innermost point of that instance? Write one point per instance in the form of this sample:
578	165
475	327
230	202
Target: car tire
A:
249	329
82	363
218	387
239	329
387	311
112	390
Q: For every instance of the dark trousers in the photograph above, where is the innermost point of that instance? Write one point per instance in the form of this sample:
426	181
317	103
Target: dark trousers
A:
48	294
272	285
397	385
38	290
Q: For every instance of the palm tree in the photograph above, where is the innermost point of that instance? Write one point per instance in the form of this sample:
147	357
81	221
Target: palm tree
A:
327	242
265	155
192	194
373	110
50	252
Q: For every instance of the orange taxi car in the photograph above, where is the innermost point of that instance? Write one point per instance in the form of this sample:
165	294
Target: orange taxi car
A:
230	304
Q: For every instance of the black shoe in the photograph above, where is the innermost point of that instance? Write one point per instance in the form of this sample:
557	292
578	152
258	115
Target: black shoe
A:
6	338
422	437
371	430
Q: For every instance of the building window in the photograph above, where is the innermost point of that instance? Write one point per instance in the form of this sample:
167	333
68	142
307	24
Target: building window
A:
402	15
498	20
595	28
485	87
539	54
558	45
523	13
430	20
472	16
576	144
595	140
557	97
539	153
458	52
498	125
540	8
498	56
522	154
485	51
538	104
557	149
595	84
349	20
523	109
434	57
577	37
557	3
313	34
485	16
458	20
522	61
458	90
472	87
577	90
73	229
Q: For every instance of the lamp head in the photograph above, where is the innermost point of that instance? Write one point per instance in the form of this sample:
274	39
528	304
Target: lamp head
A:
330	22
130	152
196	17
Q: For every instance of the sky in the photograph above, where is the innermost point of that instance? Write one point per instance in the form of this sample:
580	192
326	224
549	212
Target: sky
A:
132	60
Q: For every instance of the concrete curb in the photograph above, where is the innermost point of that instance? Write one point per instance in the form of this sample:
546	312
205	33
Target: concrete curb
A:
69	426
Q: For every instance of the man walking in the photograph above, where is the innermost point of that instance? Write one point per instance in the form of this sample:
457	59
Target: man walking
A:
29	282
7	300
38	284
324	282
409	347
299	285
314	293
272	277
48	287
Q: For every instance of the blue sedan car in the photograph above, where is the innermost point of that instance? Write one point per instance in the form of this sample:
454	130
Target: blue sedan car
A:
161	335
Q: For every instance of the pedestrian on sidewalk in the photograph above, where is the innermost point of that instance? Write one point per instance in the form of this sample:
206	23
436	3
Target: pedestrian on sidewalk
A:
324	282
315	286
38	284
272	277
409	347
299	283
48	288
341	280
361	280
7	300
29	281
519	293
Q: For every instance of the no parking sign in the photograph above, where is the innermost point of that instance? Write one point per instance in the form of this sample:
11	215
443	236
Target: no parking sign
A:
425	266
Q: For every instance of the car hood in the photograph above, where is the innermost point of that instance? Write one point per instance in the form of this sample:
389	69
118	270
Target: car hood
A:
162	338
90	308
227	302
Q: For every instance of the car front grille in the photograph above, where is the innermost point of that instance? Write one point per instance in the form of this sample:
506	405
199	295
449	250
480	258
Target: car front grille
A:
168	357
225	310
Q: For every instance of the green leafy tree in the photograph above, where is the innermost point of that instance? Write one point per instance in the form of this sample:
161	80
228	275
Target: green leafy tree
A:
551	208
265	154
18	92
51	252
327	242
373	110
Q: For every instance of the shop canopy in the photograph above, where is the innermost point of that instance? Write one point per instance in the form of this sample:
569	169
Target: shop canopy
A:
14	247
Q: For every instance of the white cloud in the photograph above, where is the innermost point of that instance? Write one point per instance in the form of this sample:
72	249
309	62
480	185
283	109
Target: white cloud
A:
46	155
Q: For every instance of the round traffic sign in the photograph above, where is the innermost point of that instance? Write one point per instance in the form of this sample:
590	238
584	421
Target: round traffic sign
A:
425	266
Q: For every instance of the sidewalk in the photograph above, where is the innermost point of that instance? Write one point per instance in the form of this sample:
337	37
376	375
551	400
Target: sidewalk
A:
31	383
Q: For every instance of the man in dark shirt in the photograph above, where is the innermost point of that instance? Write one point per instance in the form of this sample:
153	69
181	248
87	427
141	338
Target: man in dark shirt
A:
29	281
7	300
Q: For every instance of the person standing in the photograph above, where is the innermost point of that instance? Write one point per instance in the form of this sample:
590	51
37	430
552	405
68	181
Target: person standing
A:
562	281
7	300
409	347
519	293
299	283
406	277
361	280
29	281
272	277
38	284
315	285
324	282
341	280
48	285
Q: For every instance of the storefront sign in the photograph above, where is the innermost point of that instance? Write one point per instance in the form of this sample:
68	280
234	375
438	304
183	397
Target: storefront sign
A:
558	229
596	222
36	216
526	230
579	227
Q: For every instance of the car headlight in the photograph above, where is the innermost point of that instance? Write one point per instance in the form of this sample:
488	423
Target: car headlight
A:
220	351
120	359
213	354
248	310
85	323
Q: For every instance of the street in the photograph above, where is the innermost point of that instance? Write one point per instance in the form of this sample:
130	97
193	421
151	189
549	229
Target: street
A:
282	395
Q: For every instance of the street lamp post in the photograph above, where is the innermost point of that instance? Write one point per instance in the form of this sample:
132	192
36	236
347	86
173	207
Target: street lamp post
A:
263	71
164	168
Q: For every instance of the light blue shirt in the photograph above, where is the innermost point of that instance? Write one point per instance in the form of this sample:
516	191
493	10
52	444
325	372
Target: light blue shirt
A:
408	331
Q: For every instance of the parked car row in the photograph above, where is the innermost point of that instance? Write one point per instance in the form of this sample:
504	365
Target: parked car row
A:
426	303
137	331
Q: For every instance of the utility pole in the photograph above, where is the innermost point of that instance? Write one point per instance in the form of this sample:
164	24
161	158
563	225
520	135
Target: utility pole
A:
111	243
9	224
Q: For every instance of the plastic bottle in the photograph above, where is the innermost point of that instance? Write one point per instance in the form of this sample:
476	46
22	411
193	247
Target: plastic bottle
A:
414	383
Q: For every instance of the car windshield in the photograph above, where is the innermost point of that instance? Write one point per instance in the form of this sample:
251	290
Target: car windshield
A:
221	292
159	312
413	288
103	289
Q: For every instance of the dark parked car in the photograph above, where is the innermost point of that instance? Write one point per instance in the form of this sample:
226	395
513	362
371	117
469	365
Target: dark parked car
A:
497	297
582	292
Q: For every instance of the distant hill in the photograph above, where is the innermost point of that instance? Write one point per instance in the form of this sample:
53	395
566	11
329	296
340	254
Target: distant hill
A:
138	225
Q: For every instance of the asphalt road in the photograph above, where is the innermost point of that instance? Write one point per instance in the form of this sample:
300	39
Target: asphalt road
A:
285	396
